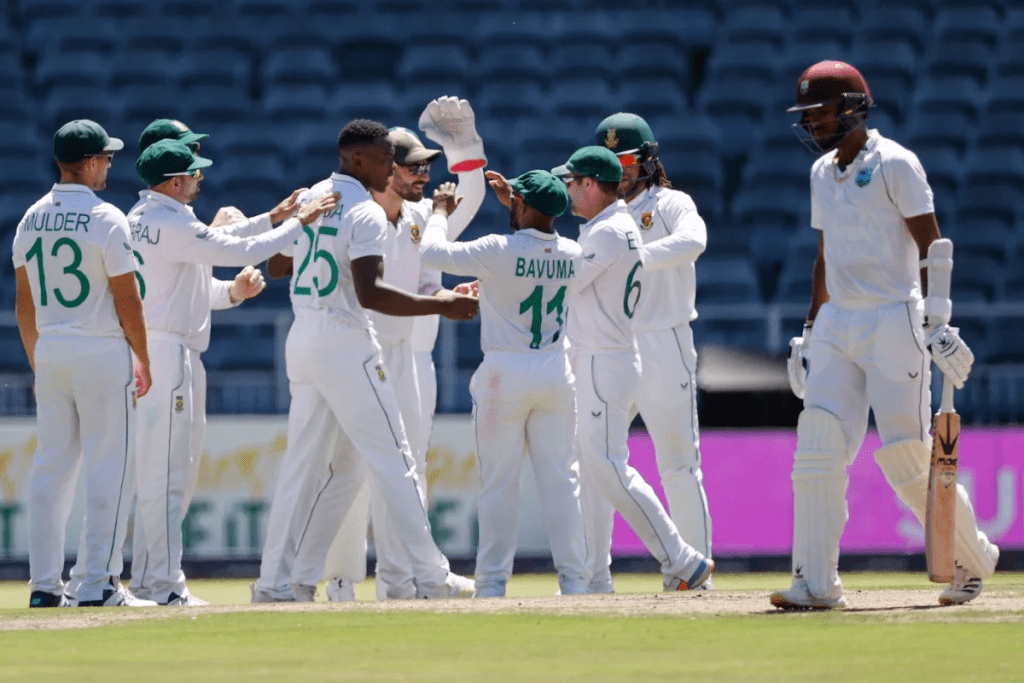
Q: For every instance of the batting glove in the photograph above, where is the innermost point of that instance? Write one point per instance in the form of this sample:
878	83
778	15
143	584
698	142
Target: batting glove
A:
796	366
952	356
451	123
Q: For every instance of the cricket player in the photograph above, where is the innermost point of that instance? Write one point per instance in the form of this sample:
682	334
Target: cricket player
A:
176	253
604	297
334	358
865	338
673	236
523	398
80	317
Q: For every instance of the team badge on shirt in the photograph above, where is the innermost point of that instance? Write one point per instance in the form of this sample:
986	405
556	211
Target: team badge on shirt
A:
863	177
414	233
611	140
646	219
179	404
380	373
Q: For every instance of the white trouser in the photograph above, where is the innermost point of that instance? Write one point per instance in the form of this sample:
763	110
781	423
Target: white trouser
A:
426	380
667	401
857	359
606	387
346	368
85	410
172	427
524	403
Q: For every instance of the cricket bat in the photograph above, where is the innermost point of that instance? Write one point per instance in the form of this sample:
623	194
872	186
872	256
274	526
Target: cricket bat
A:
940	516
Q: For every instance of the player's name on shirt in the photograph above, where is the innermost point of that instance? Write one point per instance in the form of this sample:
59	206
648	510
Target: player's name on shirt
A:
141	233
47	221
552	269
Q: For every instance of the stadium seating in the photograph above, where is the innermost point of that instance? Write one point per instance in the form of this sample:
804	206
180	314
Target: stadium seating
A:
726	280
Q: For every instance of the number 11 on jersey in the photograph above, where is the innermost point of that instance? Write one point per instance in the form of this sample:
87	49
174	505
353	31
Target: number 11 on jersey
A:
535	303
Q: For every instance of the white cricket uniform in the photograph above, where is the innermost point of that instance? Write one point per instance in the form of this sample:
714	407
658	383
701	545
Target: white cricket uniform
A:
176	253
673	235
522	394
866	347
332	351
71	243
316	549
604	299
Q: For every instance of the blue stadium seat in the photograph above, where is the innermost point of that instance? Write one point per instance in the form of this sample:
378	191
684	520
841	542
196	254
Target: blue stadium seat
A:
254	137
582	60
754	24
12	352
700	175
811	23
138	105
228	67
736	107
510	61
81	69
501	30
959	57
547	146
306	102
943	167
21	141
368	59
1013	282
366	100
197	11
29	11
416	96
742	61
726	280
133	68
653	60
1006	94
652	97
70	34
1004	344
268	10
995	168
233	33
788	167
794	283
167	37
982	235
802	53
1000	128
975	277
678	137
581	97
467	338
973	22
66	103
890	23
35	176
217	103
240	347
999	203
433	63
298	66
928	128
586	28
952	93
13	208
685	26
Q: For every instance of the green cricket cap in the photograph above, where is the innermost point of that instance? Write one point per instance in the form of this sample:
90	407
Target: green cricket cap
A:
78	139
165	159
623	132
168	129
543	191
595	162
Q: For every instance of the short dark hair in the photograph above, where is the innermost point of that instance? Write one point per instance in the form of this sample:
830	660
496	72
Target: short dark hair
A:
362	132
607	186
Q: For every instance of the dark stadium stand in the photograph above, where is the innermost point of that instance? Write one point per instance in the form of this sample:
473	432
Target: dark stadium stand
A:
272	81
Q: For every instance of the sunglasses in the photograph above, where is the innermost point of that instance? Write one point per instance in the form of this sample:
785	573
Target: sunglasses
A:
108	155
421	168
628	159
195	174
569	178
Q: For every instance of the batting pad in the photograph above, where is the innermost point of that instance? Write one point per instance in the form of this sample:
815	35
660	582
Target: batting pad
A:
819	500
905	465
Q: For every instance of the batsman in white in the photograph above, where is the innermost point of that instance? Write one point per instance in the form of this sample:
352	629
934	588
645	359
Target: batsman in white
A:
606	361
80	317
523	398
333	357
176	252
674	236
871	325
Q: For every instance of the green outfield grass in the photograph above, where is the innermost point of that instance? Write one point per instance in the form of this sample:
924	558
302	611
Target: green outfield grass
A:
364	643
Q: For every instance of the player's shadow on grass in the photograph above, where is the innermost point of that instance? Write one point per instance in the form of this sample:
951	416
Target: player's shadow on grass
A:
855	610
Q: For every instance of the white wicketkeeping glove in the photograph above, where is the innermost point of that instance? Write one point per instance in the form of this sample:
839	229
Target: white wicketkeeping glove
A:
451	123
950	353
795	365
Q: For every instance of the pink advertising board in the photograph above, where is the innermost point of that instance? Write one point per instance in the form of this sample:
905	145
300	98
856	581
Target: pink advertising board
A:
746	477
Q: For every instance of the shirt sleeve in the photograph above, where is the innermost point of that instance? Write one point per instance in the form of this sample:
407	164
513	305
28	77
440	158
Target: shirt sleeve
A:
602	248
118	255
817	211
250	226
220	294
368	227
17	253
195	242
476	258
472	187
908	185
687	238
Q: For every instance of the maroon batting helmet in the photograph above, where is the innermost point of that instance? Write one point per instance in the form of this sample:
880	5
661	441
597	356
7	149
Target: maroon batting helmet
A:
827	83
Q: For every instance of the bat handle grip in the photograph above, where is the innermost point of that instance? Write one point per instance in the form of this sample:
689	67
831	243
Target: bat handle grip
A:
947	396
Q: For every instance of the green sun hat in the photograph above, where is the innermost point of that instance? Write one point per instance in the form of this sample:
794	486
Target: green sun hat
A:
543	191
168	158
595	162
168	129
82	138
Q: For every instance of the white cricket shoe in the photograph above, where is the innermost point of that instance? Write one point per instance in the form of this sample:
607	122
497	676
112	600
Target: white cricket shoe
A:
700	575
963	588
117	596
186	599
340	589
304	592
263	595
799	597
460	586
